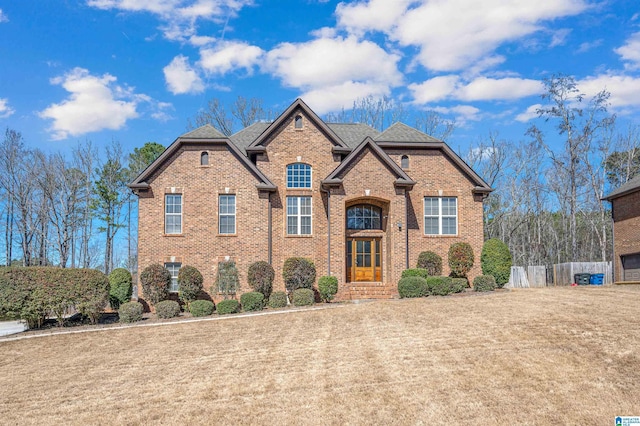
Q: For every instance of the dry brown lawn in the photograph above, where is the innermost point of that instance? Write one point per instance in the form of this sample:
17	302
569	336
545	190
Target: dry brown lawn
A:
553	356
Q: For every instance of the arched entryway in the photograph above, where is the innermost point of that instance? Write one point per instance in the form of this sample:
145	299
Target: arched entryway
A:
365	226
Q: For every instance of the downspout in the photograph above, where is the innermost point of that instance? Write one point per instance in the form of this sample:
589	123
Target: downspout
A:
328	191
269	238
614	261
406	227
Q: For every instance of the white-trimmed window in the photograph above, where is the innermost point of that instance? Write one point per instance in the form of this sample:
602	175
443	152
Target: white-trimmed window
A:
173	269
299	215
173	214
440	215
227	214
298	175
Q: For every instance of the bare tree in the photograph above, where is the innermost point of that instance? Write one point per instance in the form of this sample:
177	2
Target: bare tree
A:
247	111
433	124
624	163
84	160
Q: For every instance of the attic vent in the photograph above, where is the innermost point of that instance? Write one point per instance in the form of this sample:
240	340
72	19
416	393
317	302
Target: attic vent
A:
298	120
204	158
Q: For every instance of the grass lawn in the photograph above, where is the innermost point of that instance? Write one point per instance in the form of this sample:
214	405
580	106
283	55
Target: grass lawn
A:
550	356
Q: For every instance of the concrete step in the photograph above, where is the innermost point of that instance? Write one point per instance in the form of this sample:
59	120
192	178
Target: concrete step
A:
11	327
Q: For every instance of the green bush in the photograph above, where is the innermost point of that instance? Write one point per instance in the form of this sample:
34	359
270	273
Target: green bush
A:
458	285
298	272
119	287
439	286
227	282
201	308
260	277
302	297
130	312
189	284
229	306
278	299
167	309
460	259
412	287
415	272
327	287
431	262
252	301
155	281
496	260
484	283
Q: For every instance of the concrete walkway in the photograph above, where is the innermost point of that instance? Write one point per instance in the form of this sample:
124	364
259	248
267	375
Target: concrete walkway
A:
11	327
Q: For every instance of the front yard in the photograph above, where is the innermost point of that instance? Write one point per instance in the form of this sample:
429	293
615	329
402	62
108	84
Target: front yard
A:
538	356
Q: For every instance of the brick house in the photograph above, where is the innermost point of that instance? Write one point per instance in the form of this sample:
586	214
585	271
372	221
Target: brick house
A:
360	203
625	210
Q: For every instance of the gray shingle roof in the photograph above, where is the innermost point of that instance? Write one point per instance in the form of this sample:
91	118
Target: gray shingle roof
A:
400	132
246	136
352	133
632	185
204	132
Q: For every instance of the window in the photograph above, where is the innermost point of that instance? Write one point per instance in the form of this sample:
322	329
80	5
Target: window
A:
173	269
204	159
172	214
404	162
298	122
227	214
298	175
440	216
364	216
299	215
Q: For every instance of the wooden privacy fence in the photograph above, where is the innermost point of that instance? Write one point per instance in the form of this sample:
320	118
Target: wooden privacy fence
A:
537	276
518	278
563	273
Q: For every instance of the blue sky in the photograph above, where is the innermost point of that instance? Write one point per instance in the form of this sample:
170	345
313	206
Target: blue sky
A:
135	70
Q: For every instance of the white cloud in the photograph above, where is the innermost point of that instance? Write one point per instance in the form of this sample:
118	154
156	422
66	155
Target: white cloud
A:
334	97
630	51
624	89
463	113
228	56
373	15
95	103
529	114
588	45
3	16
181	78
5	109
452	87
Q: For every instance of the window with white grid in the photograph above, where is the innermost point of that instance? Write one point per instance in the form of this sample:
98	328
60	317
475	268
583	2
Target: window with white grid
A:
299	215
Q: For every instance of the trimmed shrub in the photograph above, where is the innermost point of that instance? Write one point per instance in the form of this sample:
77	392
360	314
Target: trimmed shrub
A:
130	312
412	287
484	283
458	285
189	284
227	282
119	287
168	309
303	297
327	287
439	286
278	299
229	306
201	308
460	259
431	262
155	281
298	272
252	301
415	272
260	277
496	260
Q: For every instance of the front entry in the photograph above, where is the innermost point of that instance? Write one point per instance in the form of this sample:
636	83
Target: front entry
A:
364	259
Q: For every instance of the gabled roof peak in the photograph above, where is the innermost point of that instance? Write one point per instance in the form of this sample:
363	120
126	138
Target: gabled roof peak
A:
204	132
400	132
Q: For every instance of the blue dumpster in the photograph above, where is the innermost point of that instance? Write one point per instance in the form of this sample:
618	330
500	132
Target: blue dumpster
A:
596	279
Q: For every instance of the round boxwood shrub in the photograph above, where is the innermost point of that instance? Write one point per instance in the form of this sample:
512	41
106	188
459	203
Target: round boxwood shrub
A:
252	301
278	299
412	287
189	284
431	262
303	297
167	309
298	272
260	277
439	286
458	285
327	287
201	308
155	281
484	283
229	306
460	259
119	287
496	260
130	312
415	272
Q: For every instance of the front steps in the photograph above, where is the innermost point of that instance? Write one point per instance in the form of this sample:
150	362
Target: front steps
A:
368	290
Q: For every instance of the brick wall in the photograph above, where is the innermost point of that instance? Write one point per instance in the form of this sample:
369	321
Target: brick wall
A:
626	228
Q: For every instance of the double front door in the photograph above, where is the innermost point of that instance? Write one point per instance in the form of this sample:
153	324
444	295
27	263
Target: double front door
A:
364	259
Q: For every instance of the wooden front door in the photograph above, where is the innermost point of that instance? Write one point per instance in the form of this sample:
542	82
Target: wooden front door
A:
364	259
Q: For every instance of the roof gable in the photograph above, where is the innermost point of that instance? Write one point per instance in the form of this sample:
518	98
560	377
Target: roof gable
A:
204	132
400	132
631	186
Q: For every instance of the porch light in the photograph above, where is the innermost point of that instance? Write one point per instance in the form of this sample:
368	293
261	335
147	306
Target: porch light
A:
399	226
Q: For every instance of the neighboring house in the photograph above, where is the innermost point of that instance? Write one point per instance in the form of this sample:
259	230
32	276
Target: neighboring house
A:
359	203
625	210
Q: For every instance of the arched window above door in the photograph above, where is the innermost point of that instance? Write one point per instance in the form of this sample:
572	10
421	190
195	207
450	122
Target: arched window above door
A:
364	216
